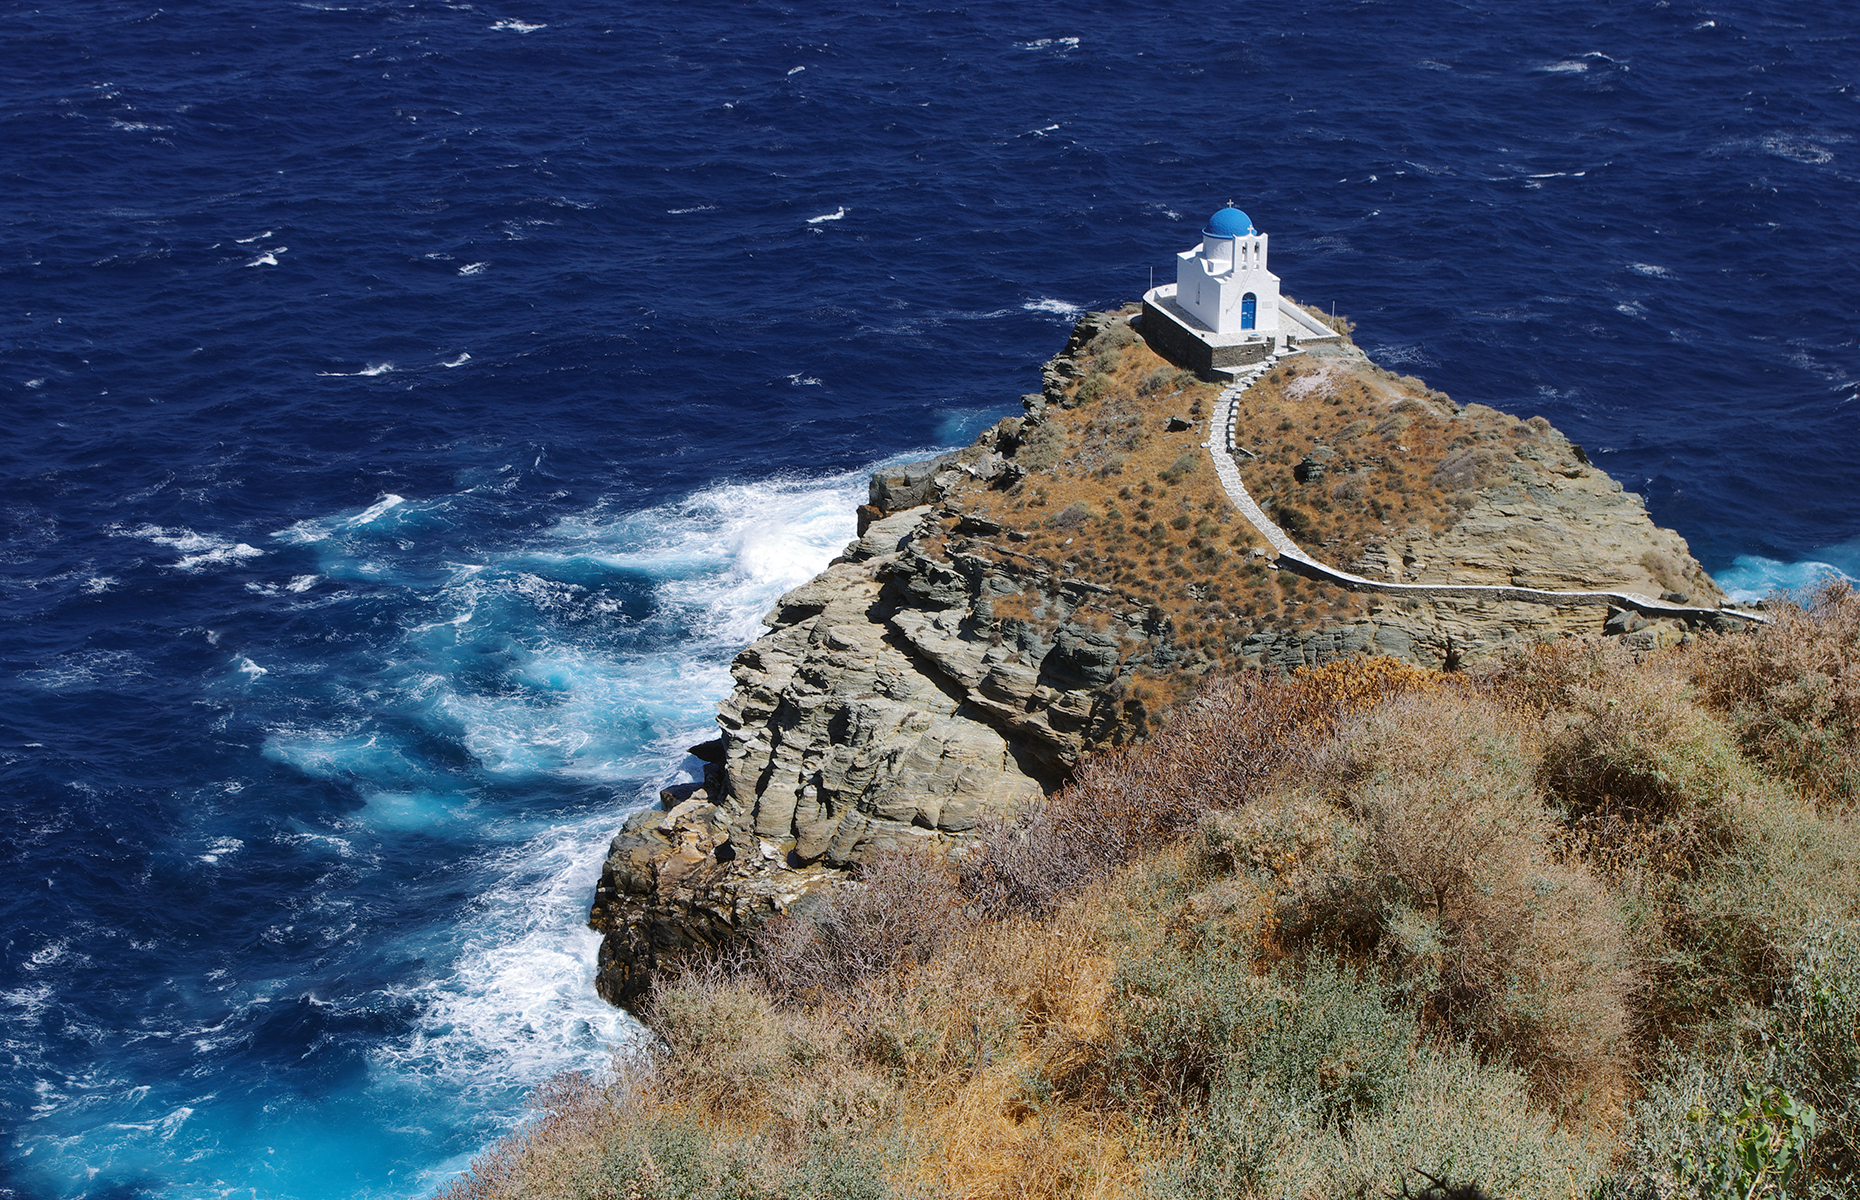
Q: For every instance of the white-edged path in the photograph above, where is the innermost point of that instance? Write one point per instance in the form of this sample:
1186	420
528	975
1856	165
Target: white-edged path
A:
1219	446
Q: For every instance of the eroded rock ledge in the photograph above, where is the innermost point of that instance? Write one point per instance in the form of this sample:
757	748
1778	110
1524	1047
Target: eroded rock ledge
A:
993	623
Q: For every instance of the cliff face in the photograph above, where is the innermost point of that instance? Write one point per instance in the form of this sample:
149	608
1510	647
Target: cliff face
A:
882	709
1055	587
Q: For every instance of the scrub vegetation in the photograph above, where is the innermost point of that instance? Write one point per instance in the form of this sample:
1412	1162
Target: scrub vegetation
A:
1581	923
1114	494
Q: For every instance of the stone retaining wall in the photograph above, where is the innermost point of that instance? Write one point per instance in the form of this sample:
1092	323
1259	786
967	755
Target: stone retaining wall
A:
1168	337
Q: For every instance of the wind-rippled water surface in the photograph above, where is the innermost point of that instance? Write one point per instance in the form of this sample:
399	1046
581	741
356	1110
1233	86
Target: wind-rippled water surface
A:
410	408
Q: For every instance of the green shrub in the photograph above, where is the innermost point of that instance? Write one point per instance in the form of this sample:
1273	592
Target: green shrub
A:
1164	379
1816	1041
1095	387
1736	925
1041	447
1453	1117
1637	744
1439	1111
1181	468
1751	1151
1296	522
1195	1027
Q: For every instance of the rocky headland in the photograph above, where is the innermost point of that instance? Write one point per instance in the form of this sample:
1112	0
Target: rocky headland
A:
1056	587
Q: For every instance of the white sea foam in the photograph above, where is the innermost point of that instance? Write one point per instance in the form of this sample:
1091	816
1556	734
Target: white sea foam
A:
84	669
369	371
219	847
268	259
1058	44
1572	66
35	383
255	237
375	511
1047	304
476	268
796	70
1753	577
518	1004
197	549
832	216
497	666
1409	355
800	379
26	1004
46	955
460	361
516	26
249	669
725	554
1796	149
1650	269
694	208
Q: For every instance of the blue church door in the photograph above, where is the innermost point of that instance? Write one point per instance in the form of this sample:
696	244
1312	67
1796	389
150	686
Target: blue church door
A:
1249	310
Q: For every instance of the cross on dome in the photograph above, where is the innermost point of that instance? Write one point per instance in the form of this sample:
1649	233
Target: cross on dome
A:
1229	222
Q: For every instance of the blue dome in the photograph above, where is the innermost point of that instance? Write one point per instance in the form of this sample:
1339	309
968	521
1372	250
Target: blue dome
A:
1230	222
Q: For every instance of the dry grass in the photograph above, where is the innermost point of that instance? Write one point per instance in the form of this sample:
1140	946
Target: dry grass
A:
1114	495
1005	1139
1395	455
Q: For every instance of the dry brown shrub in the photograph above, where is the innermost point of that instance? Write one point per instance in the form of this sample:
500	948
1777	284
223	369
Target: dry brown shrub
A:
1237	735
1030	990
573	1118
1002	1138
1544	677
728	1051
1792	689
1456	887
1470	467
1645	777
902	908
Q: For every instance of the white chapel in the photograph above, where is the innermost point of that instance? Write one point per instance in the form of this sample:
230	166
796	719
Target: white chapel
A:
1224	283
1224	309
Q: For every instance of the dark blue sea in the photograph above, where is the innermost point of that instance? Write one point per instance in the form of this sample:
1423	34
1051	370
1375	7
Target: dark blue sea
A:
410	407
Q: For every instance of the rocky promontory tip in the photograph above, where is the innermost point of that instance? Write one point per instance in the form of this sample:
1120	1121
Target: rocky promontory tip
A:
1057	586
